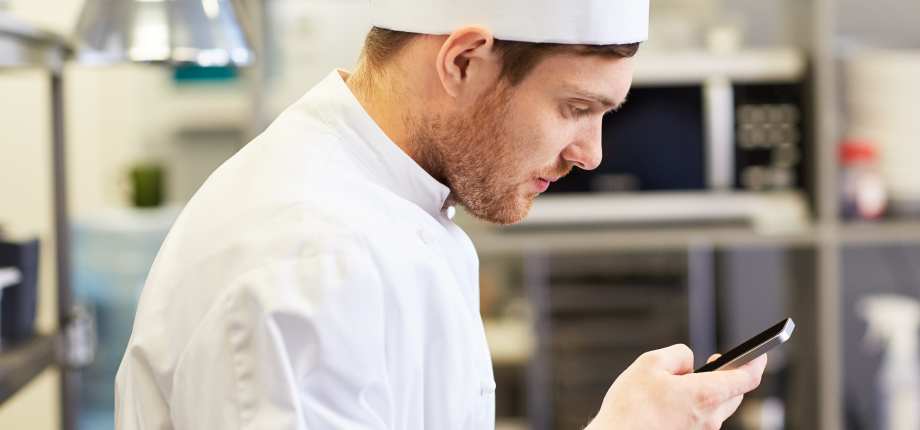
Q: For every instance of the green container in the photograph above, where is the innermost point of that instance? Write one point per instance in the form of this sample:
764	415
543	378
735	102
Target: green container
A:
147	184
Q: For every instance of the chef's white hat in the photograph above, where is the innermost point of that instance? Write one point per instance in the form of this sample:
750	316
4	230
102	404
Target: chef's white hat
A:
590	22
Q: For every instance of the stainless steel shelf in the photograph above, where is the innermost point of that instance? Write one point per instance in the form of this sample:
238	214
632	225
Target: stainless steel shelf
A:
21	362
767	212
785	64
508	241
22	45
880	232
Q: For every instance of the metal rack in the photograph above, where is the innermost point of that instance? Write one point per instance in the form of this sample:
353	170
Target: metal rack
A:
817	249
21	363
22	45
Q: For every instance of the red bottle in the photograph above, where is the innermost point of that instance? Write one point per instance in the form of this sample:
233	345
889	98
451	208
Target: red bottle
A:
864	193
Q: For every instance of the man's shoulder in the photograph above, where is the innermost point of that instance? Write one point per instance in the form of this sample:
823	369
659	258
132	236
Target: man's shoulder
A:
335	208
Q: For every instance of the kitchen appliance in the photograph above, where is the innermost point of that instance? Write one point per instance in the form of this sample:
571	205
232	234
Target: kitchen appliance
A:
204	33
658	142
707	123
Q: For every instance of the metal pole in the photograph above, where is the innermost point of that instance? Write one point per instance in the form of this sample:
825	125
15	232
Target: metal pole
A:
252	17
719	115
69	377
701	297
539	370
830	341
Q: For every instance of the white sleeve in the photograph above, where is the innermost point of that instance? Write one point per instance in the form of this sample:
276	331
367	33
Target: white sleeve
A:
295	344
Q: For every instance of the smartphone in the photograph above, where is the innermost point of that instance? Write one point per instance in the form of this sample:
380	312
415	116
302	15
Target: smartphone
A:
752	348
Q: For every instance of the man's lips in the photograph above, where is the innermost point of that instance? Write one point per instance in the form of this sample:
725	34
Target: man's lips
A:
542	183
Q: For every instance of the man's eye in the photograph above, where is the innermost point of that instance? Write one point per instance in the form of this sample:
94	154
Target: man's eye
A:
577	111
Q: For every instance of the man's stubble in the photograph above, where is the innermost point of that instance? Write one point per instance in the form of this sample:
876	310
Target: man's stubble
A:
478	158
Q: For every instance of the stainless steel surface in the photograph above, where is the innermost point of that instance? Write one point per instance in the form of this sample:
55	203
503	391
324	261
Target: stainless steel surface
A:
779	212
885	232
254	20
200	32
830	344
70	378
22	361
612	239
719	118
24	45
693	67
701	295
70	398
61	225
539	370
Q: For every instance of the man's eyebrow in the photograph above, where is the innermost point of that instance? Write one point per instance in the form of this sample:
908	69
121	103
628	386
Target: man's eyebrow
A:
600	98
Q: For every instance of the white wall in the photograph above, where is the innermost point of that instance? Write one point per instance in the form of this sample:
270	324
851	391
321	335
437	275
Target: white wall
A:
309	39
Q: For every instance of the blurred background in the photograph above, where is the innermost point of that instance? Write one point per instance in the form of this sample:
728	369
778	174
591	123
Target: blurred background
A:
763	168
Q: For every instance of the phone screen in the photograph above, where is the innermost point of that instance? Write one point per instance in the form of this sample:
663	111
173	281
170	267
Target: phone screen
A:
744	348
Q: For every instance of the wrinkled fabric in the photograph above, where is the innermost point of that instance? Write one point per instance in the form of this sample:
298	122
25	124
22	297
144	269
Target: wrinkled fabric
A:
313	282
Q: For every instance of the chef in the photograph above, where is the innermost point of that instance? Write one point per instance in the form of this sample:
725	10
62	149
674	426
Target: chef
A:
316	280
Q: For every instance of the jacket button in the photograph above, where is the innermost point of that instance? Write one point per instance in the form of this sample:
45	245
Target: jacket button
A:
488	386
427	235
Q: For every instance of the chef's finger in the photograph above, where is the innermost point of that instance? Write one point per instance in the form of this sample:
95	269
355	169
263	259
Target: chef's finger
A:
675	360
720	386
728	408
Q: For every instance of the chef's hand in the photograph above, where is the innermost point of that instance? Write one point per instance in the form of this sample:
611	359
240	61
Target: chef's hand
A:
659	391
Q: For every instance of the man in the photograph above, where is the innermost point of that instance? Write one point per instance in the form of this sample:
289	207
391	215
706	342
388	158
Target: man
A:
316	280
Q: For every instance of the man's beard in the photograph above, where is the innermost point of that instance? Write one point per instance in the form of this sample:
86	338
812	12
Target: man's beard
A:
478	160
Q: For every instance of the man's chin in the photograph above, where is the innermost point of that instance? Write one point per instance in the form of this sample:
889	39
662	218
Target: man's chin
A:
507	214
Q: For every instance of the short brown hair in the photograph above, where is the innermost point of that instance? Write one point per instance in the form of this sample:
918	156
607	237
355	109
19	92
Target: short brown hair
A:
518	58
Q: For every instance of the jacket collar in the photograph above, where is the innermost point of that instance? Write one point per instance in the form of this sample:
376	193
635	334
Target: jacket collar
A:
345	115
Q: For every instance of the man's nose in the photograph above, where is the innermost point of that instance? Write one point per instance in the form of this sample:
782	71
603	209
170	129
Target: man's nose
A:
585	151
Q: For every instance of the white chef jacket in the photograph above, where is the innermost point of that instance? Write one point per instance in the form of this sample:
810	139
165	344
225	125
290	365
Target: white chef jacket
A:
313	282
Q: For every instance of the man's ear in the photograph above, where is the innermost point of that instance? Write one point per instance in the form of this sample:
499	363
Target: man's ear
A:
466	53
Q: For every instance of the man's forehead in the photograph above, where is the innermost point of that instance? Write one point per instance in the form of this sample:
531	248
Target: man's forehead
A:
595	79
593	74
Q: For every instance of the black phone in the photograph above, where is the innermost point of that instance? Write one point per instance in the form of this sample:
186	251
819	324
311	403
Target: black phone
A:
752	348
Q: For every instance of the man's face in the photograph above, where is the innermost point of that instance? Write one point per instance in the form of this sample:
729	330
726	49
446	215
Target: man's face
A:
498	155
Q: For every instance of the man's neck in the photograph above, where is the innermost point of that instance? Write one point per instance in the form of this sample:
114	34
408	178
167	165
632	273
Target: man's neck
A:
382	100
395	108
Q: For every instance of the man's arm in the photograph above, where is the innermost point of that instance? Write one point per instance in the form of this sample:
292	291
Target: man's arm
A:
294	344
